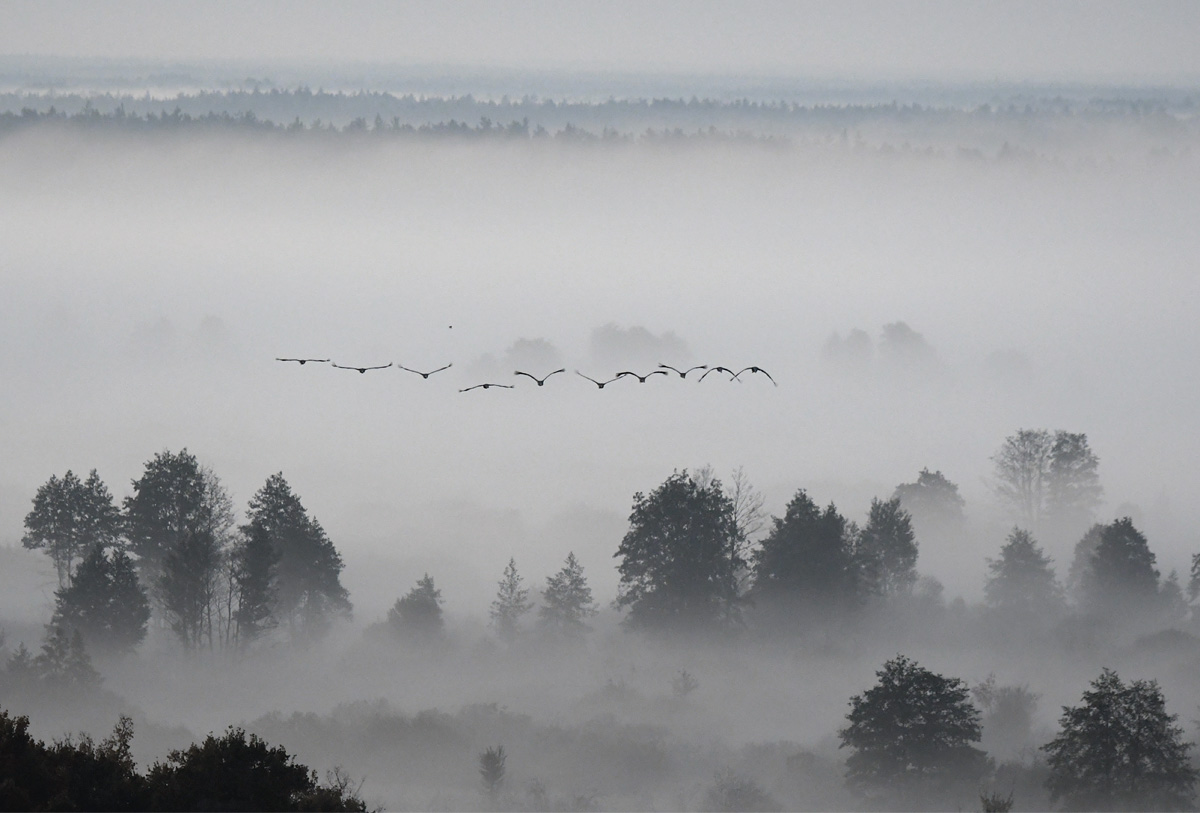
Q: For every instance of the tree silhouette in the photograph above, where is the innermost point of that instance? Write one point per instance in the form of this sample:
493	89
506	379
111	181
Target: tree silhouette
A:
567	600
309	593
512	602
105	603
187	588
678	566
806	564
69	519
491	772
886	550
911	734
1121	577
418	615
932	500
176	497
254	564
1022	579
1120	750
1047	477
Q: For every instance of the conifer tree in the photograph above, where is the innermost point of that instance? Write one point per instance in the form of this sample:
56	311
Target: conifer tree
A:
512	602
105	603
255	561
1022	579
309	593
567	599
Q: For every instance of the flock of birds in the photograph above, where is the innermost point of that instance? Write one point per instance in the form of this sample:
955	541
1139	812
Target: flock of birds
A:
663	369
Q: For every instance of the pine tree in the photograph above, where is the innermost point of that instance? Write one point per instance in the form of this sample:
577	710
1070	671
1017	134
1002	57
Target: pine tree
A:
64	662
512	602
105	603
567	600
309	592
1022	579
886	550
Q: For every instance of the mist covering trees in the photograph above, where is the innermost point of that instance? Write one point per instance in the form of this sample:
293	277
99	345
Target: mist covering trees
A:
1048	480
104	603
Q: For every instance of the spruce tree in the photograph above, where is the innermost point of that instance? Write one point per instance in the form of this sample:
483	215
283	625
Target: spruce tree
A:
255	561
512	602
309	593
1022	579
567	600
70	518
105	603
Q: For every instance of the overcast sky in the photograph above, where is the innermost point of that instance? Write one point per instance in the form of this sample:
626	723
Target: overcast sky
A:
1101	40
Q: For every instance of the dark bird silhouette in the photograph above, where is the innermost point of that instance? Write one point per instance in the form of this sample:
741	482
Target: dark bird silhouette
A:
719	370
755	370
305	361
683	373
540	381
599	384
424	375
487	386
642	378
363	369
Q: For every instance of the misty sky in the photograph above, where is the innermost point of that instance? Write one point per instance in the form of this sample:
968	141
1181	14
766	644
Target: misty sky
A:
1078	41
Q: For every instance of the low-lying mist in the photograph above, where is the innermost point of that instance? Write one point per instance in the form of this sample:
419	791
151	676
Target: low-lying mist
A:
915	310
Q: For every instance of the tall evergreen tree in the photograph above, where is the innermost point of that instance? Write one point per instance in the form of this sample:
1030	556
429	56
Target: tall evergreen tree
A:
806	562
105	603
69	519
418	615
567	599
1022	580
512	602
64	662
308	576
1081	562
679	563
886	550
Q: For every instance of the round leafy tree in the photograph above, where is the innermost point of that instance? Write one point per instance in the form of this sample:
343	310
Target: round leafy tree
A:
911	734
1120	750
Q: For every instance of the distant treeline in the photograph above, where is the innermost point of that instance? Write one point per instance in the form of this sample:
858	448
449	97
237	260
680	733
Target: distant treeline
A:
1056	121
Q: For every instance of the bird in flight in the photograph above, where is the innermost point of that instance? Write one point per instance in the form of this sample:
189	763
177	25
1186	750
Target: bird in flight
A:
642	378
302	362
755	370
683	373
363	369
425	375
487	386
540	381
720	370
599	384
